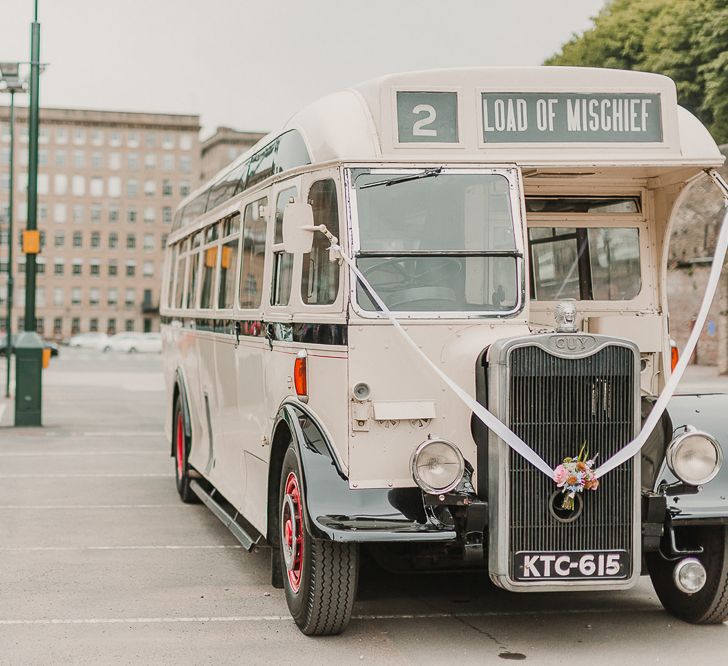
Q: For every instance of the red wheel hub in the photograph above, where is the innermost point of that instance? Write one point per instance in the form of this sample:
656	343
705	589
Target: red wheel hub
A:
180	446
292	531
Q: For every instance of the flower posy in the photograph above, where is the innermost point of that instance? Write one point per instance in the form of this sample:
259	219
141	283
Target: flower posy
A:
575	475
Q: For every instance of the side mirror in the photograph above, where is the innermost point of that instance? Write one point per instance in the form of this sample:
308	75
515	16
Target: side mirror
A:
298	228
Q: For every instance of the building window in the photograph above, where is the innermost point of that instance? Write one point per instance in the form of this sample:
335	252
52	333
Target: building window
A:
150	161
113	213
78	186
132	188
61	158
167	215
77	239
167	188
184	188
132	161
94	296
93	325
43	183
61	135
168	162
132	139
95	239
77	267
185	142
131	215
149	214
59	239
130	269
79	159
111	326
185	164
95	268
58	296
40	325
113	296
148	269
113	240
79	136
77	212
114	186
57	326
58	267
60	183
96	187
75	325
76	296
43	157
42	212
148	241
150	188
96	160
114	161
115	139
129	297
59	212
113	268
129	325
97	137
130	241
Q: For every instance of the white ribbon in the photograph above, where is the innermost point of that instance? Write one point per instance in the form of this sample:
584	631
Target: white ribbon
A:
503	431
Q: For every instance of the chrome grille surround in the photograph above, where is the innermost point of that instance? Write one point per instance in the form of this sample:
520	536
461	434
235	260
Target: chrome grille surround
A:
574	374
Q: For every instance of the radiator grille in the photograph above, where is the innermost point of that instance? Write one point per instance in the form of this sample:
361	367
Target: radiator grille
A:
555	405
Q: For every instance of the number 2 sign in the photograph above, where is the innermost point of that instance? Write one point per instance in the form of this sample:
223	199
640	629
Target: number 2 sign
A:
427	117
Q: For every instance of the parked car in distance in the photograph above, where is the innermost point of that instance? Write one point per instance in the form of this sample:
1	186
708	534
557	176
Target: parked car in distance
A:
131	343
48	344
89	340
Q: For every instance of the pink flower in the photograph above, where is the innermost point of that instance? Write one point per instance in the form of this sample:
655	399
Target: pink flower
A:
560	475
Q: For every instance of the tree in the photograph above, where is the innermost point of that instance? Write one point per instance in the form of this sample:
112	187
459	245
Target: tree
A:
686	40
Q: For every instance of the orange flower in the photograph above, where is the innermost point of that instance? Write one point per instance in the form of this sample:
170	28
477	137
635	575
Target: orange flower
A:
591	484
572	481
581	467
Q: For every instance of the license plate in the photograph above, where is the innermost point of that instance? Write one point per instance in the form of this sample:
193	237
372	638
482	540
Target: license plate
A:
571	565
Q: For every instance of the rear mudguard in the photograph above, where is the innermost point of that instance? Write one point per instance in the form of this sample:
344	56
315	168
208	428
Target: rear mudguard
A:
338	513
182	388
707	412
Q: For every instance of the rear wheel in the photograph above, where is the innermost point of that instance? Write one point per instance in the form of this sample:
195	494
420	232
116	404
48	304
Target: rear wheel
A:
319	577
710	604
181	451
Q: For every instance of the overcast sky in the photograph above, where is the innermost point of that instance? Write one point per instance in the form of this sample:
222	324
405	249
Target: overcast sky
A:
250	65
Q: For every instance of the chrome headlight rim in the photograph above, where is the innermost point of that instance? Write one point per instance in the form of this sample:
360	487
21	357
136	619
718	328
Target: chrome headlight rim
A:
673	449
423	485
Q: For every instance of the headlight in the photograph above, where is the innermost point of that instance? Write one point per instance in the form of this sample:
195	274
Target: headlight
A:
437	466
694	457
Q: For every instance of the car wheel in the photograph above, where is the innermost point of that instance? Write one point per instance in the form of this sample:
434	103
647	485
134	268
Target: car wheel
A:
319	577
181	445
710	604
132	350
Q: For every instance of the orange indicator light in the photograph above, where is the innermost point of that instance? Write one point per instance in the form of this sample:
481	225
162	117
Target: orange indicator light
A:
300	375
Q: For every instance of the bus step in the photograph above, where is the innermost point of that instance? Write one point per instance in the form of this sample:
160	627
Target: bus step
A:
246	541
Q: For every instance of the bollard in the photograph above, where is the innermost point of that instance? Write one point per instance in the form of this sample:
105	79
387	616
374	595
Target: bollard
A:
28	388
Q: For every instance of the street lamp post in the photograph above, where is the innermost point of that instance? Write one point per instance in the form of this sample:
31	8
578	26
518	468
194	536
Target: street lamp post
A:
29	347
10	82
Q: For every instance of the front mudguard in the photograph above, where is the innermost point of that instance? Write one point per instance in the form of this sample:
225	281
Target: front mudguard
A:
336	512
708	506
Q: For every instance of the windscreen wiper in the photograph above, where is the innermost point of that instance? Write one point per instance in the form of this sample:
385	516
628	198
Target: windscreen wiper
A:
427	173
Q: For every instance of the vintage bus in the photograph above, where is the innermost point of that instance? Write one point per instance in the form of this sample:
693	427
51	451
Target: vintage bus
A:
424	318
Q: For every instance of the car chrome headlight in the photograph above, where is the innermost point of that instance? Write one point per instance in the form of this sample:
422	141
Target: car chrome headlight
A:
437	466
694	457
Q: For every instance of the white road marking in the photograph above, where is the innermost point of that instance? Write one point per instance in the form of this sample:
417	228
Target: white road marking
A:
84	476
24	549
288	618
44	507
46	454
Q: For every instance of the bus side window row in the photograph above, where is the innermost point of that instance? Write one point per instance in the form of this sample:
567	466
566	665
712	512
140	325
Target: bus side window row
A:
196	260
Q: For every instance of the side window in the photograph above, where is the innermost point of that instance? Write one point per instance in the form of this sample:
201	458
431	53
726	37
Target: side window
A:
320	277
282	261
172	253
229	261
262	164
179	285
253	254
194	268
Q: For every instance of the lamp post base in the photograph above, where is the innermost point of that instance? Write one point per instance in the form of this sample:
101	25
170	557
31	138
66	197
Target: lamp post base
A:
28	379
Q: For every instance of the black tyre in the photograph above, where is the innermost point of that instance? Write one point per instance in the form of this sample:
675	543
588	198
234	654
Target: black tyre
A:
181	446
710	605
319	577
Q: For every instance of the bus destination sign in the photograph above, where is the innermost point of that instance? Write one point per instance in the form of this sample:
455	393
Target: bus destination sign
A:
571	117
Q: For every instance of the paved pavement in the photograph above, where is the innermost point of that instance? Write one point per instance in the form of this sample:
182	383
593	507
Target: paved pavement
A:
100	563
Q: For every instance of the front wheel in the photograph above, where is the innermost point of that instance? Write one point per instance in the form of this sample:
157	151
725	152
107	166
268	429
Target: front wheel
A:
710	604
181	445
319	577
